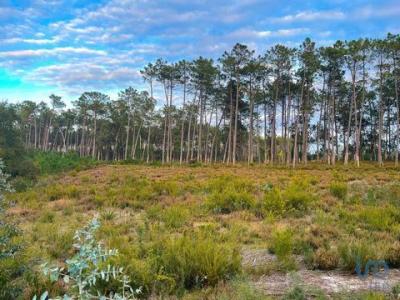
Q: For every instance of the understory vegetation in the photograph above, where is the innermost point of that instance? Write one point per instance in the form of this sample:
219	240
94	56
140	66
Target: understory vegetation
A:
182	231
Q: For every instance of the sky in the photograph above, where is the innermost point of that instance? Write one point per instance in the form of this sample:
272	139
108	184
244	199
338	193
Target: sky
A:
68	47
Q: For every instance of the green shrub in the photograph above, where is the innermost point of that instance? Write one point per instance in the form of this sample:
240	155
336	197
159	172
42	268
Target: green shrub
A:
354	252
72	192
175	216
54	162
338	189
108	215
229	200
229	193
166	187
396	291
197	260
392	256
282	243
272	203
297	197
221	183
282	246
326	259
88	272
54	192
376	218
47	217
59	244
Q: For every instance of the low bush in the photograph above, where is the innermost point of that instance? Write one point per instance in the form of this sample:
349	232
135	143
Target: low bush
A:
376	218
197	260
175	216
59	244
221	183
297	197
88	272
355	252
228	194
166	187
338	189
326	259
282	246
54	192
54	162
271	204
229	200
282	243
392	256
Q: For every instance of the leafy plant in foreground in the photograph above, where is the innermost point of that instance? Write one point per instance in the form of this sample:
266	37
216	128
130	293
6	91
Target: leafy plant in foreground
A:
10	267
7	231
85	271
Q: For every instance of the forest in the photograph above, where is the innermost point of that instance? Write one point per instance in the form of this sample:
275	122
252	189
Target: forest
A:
255	176
284	106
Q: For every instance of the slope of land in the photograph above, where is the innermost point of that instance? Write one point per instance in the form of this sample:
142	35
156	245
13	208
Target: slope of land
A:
221	232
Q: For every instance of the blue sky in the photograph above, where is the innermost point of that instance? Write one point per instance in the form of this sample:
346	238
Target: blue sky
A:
69	46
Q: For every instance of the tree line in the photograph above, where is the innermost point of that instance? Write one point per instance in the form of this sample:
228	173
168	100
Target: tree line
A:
285	106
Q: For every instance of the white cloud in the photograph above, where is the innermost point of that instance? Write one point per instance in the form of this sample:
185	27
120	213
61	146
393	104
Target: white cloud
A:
50	52
80	76
305	16
378	12
245	34
29	41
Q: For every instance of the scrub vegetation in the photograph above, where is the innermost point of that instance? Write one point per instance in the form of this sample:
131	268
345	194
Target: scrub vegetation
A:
183	232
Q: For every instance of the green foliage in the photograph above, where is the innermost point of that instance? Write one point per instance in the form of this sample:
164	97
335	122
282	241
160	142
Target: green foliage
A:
229	200
197	260
282	246
297	293
355	252
84	273
11	146
295	199
228	194
108	215
376	218
175	216
11	266
60	245
326	259
396	291
298	196
282	243
338	189
53	162
272	203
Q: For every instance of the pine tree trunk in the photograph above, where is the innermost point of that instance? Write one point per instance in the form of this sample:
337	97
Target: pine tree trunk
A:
199	142
250	159
128	129
287	123
396	99
183	123
380	122
236	120
273	129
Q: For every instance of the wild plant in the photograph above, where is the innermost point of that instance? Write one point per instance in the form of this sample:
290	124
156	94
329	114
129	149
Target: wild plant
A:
86	271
